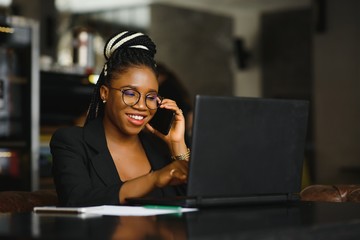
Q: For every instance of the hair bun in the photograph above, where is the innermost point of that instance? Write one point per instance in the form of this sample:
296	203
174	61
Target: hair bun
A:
129	39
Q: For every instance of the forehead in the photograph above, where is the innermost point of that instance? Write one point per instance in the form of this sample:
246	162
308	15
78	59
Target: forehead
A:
141	77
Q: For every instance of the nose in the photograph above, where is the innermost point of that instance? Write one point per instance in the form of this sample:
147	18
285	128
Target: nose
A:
141	103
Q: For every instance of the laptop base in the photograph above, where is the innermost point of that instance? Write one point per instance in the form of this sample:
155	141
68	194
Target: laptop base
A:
204	202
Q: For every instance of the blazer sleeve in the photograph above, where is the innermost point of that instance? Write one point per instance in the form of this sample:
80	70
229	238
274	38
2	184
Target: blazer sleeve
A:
73	176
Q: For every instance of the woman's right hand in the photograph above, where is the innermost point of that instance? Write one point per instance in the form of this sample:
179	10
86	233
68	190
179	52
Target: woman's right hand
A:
173	174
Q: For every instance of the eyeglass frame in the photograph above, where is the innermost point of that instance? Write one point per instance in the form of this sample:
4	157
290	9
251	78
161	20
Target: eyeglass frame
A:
122	97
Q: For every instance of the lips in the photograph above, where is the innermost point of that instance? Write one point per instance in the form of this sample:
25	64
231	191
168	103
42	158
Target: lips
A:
136	119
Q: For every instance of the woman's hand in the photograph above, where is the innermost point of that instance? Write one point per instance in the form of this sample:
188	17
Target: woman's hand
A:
176	136
173	174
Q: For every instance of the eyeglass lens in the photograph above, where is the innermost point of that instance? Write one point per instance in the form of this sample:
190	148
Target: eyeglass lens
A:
132	97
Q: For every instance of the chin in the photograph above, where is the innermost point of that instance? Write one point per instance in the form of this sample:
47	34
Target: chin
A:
134	131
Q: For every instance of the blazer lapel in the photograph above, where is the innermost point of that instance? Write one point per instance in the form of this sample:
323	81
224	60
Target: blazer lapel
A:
100	157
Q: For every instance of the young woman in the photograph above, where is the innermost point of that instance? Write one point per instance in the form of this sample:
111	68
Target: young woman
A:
117	154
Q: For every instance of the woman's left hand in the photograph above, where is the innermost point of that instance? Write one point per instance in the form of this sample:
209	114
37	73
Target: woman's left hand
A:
175	139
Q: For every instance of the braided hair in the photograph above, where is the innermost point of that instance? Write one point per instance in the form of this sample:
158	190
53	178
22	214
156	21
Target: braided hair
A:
123	50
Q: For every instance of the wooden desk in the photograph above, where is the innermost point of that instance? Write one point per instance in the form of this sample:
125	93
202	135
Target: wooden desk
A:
305	220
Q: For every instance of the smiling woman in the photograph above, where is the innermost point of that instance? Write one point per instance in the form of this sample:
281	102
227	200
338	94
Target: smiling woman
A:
118	154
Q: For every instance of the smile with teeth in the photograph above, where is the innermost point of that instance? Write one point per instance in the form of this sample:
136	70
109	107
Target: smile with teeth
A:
136	117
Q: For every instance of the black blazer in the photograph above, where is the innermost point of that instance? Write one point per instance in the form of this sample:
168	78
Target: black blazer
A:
84	171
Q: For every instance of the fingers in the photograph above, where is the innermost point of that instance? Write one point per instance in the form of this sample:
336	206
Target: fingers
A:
177	130
151	129
173	174
179	112
170	104
176	173
179	171
177	176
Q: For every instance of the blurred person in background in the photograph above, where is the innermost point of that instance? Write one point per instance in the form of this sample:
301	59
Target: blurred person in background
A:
170	86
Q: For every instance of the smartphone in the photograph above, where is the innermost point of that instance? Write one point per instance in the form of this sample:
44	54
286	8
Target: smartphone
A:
163	120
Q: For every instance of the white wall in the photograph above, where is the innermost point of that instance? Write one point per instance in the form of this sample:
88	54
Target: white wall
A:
247	82
201	54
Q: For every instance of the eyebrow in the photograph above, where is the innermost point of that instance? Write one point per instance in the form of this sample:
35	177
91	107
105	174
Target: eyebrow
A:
133	87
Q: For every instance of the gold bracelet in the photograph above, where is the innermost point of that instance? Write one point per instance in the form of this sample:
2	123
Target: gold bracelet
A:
184	156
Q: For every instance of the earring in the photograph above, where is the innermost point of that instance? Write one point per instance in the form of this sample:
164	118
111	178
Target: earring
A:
104	101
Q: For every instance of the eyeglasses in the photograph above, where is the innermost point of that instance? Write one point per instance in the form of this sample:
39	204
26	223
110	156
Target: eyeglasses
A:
131	97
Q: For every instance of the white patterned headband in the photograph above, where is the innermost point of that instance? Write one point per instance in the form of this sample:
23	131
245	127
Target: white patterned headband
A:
112	46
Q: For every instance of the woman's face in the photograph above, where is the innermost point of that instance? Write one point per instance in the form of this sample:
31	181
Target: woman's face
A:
129	120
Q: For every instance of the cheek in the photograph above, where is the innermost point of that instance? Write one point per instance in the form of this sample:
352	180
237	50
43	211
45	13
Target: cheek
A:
115	106
115	100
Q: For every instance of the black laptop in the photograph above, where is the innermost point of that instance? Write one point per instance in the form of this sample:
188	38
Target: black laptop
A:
244	151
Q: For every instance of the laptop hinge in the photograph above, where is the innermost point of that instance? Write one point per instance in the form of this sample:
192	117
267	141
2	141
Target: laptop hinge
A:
198	200
293	197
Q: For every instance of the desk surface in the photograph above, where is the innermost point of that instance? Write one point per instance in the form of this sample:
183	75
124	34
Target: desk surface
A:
305	220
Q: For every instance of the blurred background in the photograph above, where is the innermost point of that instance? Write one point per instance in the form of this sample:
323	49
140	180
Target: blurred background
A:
51	52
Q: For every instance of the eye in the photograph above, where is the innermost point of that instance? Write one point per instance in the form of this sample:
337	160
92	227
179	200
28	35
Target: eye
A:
130	93
152	97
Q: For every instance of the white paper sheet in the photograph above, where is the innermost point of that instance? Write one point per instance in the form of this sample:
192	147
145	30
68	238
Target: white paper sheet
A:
116	210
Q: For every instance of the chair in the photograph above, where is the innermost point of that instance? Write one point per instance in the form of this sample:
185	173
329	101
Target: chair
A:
25	201
331	193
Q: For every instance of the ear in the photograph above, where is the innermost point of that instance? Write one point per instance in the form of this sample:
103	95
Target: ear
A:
104	92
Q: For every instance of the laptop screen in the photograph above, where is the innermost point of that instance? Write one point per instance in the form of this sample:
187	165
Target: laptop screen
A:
247	146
